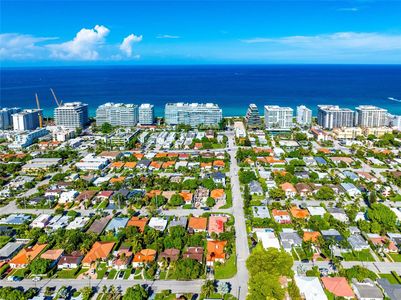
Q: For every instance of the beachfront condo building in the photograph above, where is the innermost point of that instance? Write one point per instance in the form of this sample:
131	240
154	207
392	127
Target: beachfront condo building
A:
71	115
278	117
117	114
6	119
252	117
146	114
368	116
304	115
333	116
192	114
27	119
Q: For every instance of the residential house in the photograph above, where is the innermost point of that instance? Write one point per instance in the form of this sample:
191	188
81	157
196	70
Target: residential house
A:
281	216
122	258
303	189
116	224
219	178
310	288
366	290
289	189
197	224
267	237
255	188
170	255
357	242
41	221
195	253
99	251
338	214
186	196
180	221
332	235
71	261
25	256
53	255
200	196
338	286
290	238
215	252
299	213
382	242
351	189
261	212
10	249
143	257
139	223
218	195
99	225
216	224
312	236
157	223
316	211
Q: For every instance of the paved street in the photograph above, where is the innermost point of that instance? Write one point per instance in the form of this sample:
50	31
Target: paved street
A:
240	227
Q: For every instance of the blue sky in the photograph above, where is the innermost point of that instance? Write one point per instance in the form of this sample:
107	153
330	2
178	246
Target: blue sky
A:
36	33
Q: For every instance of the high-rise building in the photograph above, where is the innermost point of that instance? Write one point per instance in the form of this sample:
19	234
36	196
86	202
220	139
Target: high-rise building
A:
117	114
6	119
252	117
370	116
146	114
71	115
304	115
27	119
395	122
193	114
278	117
332	116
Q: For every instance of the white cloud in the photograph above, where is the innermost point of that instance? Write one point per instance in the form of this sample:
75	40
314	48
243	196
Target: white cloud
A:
21	46
87	45
126	45
339	40
84	46
167	36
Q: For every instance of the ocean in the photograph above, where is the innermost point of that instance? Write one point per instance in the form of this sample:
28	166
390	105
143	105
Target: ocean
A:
233	87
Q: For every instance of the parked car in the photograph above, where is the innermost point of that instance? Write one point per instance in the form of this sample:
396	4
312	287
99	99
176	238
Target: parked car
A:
37	278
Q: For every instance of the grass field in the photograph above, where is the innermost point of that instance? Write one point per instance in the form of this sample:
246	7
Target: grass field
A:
363	255
226	270
396	257
67	274
112	274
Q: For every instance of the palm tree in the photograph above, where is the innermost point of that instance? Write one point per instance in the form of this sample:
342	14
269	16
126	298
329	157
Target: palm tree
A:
208	288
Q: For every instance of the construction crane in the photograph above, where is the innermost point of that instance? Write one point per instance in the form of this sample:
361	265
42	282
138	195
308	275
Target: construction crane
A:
39	112
55	98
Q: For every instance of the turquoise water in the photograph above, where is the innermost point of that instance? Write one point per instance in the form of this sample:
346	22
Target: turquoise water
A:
233	87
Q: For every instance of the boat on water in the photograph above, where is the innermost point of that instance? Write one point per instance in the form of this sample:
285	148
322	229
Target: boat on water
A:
393	99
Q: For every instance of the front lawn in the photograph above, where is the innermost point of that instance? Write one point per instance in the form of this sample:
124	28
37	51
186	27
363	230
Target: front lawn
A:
363	255
19	272
127	273
395	256
67	274
226	270
101	270
112	274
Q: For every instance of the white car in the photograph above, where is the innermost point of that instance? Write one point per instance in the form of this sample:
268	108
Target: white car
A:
37	278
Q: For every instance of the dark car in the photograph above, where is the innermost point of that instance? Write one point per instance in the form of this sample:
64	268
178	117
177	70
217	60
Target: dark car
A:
305	261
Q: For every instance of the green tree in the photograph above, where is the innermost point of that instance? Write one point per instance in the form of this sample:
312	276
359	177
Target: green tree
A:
272	260
176	200
106	128
264	285
39	266
188	269
276	193
325	193
382	215
208	288
210	202
137	292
